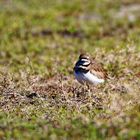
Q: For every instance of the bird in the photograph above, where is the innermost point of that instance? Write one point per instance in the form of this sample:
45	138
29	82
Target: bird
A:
88	71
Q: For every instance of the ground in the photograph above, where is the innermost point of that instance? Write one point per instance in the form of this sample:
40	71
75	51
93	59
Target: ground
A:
39	44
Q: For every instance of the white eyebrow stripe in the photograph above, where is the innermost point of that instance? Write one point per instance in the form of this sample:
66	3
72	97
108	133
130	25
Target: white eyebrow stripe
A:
84	60
86	63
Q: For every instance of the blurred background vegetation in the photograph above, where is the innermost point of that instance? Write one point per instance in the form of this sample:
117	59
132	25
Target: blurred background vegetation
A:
43	38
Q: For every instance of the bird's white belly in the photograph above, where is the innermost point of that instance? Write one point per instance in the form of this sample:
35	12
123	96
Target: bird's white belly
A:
87	77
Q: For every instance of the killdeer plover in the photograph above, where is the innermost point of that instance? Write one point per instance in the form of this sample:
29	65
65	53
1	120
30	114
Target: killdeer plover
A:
87	70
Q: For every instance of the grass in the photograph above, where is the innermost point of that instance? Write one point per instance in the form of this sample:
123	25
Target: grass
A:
39	44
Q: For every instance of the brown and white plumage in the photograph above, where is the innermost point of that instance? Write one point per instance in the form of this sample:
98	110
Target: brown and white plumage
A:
87	70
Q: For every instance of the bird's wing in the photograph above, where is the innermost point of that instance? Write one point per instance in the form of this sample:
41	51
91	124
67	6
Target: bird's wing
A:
98	70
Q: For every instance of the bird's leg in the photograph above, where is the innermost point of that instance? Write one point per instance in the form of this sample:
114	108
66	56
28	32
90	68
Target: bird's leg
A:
89	91
85	88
